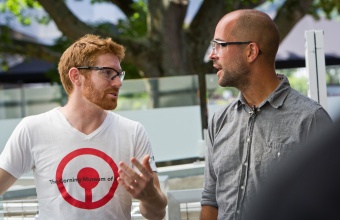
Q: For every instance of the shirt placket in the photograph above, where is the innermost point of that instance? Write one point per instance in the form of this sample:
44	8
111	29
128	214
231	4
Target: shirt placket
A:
245	164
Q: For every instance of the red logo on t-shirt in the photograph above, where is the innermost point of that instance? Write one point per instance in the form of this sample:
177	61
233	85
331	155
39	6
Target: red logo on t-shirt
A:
89	173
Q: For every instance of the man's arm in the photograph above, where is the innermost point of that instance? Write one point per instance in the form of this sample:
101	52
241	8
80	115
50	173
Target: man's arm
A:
320	121
208	212
154	206
145	187
6	181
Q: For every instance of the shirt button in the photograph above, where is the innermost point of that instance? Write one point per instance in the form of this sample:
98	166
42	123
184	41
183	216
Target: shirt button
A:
245	164
242	187
248	140
278	154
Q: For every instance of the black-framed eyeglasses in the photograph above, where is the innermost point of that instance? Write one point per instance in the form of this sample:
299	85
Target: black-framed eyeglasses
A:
107	73
214	44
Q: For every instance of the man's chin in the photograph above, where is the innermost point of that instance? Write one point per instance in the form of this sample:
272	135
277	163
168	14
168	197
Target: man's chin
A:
108	106
111	108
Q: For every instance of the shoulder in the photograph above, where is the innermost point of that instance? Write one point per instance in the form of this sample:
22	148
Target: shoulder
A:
298	100
33	124
306	107
225	110
222	115
124	121
39	119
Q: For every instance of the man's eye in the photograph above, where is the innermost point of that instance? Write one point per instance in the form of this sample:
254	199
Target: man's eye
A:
106	72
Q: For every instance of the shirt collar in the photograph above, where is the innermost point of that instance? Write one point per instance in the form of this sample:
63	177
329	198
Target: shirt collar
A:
276	99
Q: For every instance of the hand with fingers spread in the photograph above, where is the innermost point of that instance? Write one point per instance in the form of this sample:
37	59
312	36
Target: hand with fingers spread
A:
139	185
143	186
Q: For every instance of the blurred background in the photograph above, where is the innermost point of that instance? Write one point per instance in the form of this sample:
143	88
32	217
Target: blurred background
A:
170	84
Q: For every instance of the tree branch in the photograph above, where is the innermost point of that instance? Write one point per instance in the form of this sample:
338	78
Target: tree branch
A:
155	17
290	13
203	25
124	6
174	59
31	49
66	21
74	28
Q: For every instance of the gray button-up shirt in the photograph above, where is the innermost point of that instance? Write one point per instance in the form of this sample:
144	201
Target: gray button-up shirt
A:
243	144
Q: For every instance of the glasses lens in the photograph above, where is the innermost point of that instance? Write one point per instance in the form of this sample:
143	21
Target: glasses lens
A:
107	74
213	45
110	74
121	76
216	47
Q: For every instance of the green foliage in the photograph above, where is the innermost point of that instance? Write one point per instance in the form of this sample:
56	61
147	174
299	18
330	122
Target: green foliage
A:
45	19
131	71
287	72
297	78
5	40
140	100
135	26
53	75
327	6
3	65
299	83
19	9
333	75
61	44
98	1
4	35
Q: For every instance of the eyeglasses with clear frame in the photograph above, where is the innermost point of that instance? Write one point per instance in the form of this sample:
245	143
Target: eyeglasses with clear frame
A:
217	45
107	73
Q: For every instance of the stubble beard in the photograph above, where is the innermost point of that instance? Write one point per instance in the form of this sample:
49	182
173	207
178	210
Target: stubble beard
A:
237	77
98	97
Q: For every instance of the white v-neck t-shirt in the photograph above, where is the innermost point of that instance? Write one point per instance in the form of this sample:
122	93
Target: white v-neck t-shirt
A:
76	174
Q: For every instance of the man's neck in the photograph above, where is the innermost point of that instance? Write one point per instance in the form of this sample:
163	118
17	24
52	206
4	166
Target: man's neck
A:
259	90
84	118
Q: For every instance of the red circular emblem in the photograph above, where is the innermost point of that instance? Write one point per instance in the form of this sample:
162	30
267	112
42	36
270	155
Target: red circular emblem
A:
88	186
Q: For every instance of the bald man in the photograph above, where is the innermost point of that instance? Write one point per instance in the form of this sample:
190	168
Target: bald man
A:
263	124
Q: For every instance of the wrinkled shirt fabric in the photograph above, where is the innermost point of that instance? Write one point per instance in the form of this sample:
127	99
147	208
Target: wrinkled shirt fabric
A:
244	143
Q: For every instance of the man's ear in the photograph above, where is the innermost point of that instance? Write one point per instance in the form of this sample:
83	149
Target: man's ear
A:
253	52
75	76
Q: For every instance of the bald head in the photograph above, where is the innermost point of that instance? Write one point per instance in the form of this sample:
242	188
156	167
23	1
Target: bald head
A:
253	25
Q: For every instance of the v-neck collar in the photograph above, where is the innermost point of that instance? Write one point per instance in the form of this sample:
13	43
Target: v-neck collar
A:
64	120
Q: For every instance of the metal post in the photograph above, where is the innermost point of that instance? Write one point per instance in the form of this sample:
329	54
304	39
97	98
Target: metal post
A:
176	197
1	208
315	64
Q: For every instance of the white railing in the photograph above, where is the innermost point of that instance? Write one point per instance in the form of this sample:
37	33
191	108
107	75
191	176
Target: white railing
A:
182	204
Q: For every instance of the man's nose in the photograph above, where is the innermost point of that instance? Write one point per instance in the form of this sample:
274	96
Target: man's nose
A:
116	82
213	55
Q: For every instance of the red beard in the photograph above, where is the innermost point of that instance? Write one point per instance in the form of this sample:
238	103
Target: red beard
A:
100	98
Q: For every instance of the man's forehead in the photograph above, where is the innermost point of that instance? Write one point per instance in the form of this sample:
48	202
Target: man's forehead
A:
224	28
108	56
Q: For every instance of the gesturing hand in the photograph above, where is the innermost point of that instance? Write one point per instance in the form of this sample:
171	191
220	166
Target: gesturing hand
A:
139	185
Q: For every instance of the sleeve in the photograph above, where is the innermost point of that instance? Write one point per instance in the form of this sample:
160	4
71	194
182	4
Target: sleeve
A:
209	189
143	146
16	158
320	120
